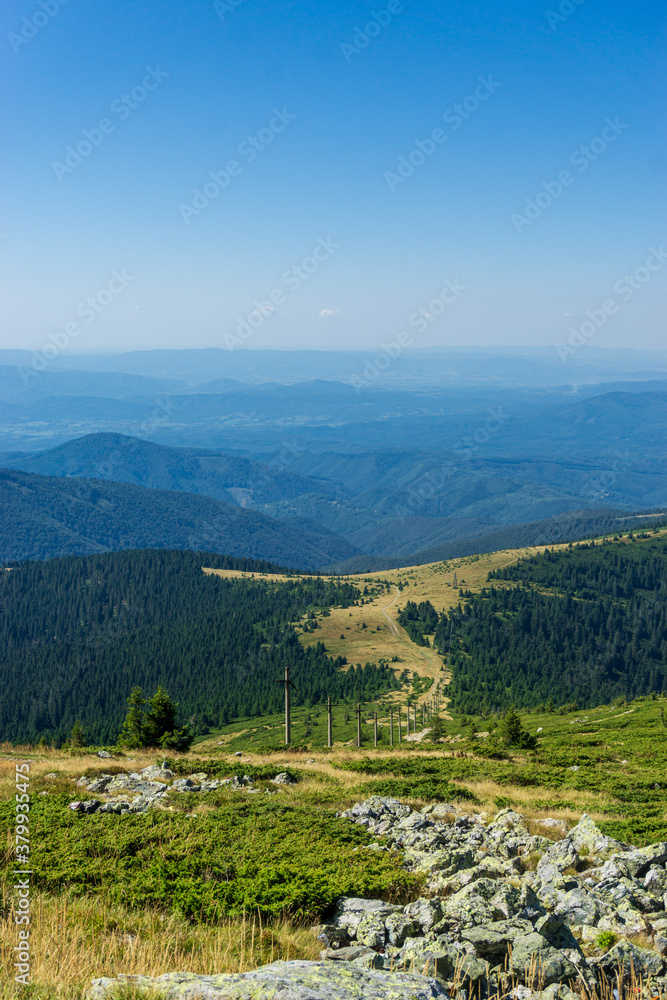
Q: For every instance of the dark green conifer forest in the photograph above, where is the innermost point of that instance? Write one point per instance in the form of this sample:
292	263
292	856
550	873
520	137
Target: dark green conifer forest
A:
77	634
584	625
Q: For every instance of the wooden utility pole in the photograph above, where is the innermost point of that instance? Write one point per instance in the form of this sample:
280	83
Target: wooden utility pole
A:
407	712
329	724
375	722
359	725
391	726
399	725
288	720
414	718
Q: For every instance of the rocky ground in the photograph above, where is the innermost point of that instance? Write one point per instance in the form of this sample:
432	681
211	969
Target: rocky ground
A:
504	911
138	792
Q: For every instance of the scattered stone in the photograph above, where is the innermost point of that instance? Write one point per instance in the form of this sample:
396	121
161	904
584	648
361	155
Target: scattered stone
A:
185	785
157	772
105	755
283	779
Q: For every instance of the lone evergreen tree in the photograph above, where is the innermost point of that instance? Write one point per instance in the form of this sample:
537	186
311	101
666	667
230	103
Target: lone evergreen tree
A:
160	718
132	735
152	723
77	737
512	733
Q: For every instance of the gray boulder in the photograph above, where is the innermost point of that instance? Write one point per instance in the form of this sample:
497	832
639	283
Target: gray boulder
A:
400	926
589	840
352	910
157	772
561	856
536	962
492	942
632	960
371	930
185	785
134	783
284	980
426	912
283	779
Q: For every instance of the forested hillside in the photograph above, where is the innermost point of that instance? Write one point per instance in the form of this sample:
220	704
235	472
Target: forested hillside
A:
585	624
76	634
44	516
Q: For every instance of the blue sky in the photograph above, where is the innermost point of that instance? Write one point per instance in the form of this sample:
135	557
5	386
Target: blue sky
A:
337	98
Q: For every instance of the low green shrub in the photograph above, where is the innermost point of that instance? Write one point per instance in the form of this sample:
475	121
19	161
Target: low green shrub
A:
251	855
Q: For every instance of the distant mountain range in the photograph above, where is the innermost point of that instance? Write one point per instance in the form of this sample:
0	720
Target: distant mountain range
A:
44	516
110	491
443	449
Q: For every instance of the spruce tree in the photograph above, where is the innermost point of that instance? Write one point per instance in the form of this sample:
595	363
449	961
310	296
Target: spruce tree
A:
77	737
160	718
512	733
132	735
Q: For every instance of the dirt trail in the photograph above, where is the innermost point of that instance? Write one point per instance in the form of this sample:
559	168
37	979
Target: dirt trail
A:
433	661
392	624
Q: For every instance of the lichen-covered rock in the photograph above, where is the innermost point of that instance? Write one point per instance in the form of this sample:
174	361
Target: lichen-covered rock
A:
536	961
427	913
371	930
632	959
492	941
157	772
400	926
134	783
284	980
185	785
351	911
589	839
283	779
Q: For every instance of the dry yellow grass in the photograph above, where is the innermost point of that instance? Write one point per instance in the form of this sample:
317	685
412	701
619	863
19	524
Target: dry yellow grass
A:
76	940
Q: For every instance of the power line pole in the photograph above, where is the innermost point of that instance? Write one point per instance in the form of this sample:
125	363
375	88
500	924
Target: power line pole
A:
391	726
399	725
329	723
375	722
359	725
288	720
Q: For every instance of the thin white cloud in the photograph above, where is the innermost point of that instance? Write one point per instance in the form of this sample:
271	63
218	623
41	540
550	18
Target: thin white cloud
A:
328	312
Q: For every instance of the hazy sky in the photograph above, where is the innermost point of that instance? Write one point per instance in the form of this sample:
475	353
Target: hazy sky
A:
321	171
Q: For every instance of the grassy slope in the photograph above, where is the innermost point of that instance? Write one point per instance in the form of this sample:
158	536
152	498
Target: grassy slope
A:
610	762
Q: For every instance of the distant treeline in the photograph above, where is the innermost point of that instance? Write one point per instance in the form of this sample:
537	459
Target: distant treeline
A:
78	633
583	625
